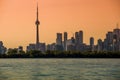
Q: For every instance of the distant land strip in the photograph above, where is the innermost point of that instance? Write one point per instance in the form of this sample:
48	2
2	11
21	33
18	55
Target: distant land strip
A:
59	54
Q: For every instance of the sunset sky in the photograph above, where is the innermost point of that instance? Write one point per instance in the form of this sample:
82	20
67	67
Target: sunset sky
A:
94	17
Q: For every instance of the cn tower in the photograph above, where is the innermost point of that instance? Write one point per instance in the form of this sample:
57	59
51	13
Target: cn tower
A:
37	30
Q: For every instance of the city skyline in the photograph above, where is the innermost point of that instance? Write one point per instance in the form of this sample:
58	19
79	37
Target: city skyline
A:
22	30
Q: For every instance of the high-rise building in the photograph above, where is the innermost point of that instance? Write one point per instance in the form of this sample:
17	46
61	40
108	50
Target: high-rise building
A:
109	37
65	40
80	37
116	32
2	48
100	45
92	44
76	38
73	40
71	44
79	40
1	43
59	39
116	39
109	41
59	45
37	30
91	41
105	45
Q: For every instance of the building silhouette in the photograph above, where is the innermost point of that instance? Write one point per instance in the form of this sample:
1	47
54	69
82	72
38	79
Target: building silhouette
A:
116	39
76	38
111	41
59	44
80	37
2	48
38	45
59	39
65	40
91	44
37	31
99	45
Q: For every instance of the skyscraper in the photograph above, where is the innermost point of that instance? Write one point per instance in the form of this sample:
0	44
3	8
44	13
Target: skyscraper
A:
109	39
76	38
2	48
65	41
116	38
92	44
59	45
37	30
100	45
79	40
116	32
59	39
80	37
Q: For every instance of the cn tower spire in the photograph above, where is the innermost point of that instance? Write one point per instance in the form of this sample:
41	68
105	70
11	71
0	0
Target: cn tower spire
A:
37	20
37	13
37	29
117	25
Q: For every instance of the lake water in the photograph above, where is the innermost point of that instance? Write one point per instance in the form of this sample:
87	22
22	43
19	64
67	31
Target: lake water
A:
59	69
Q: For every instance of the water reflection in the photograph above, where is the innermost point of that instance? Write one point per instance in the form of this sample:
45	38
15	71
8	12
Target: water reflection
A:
59	69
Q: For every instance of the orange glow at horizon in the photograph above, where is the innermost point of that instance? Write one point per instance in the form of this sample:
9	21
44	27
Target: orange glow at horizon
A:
94	17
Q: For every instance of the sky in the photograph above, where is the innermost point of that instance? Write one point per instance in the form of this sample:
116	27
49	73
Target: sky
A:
94	17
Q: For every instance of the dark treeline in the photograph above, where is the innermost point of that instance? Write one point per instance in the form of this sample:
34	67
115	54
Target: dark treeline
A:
59	54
